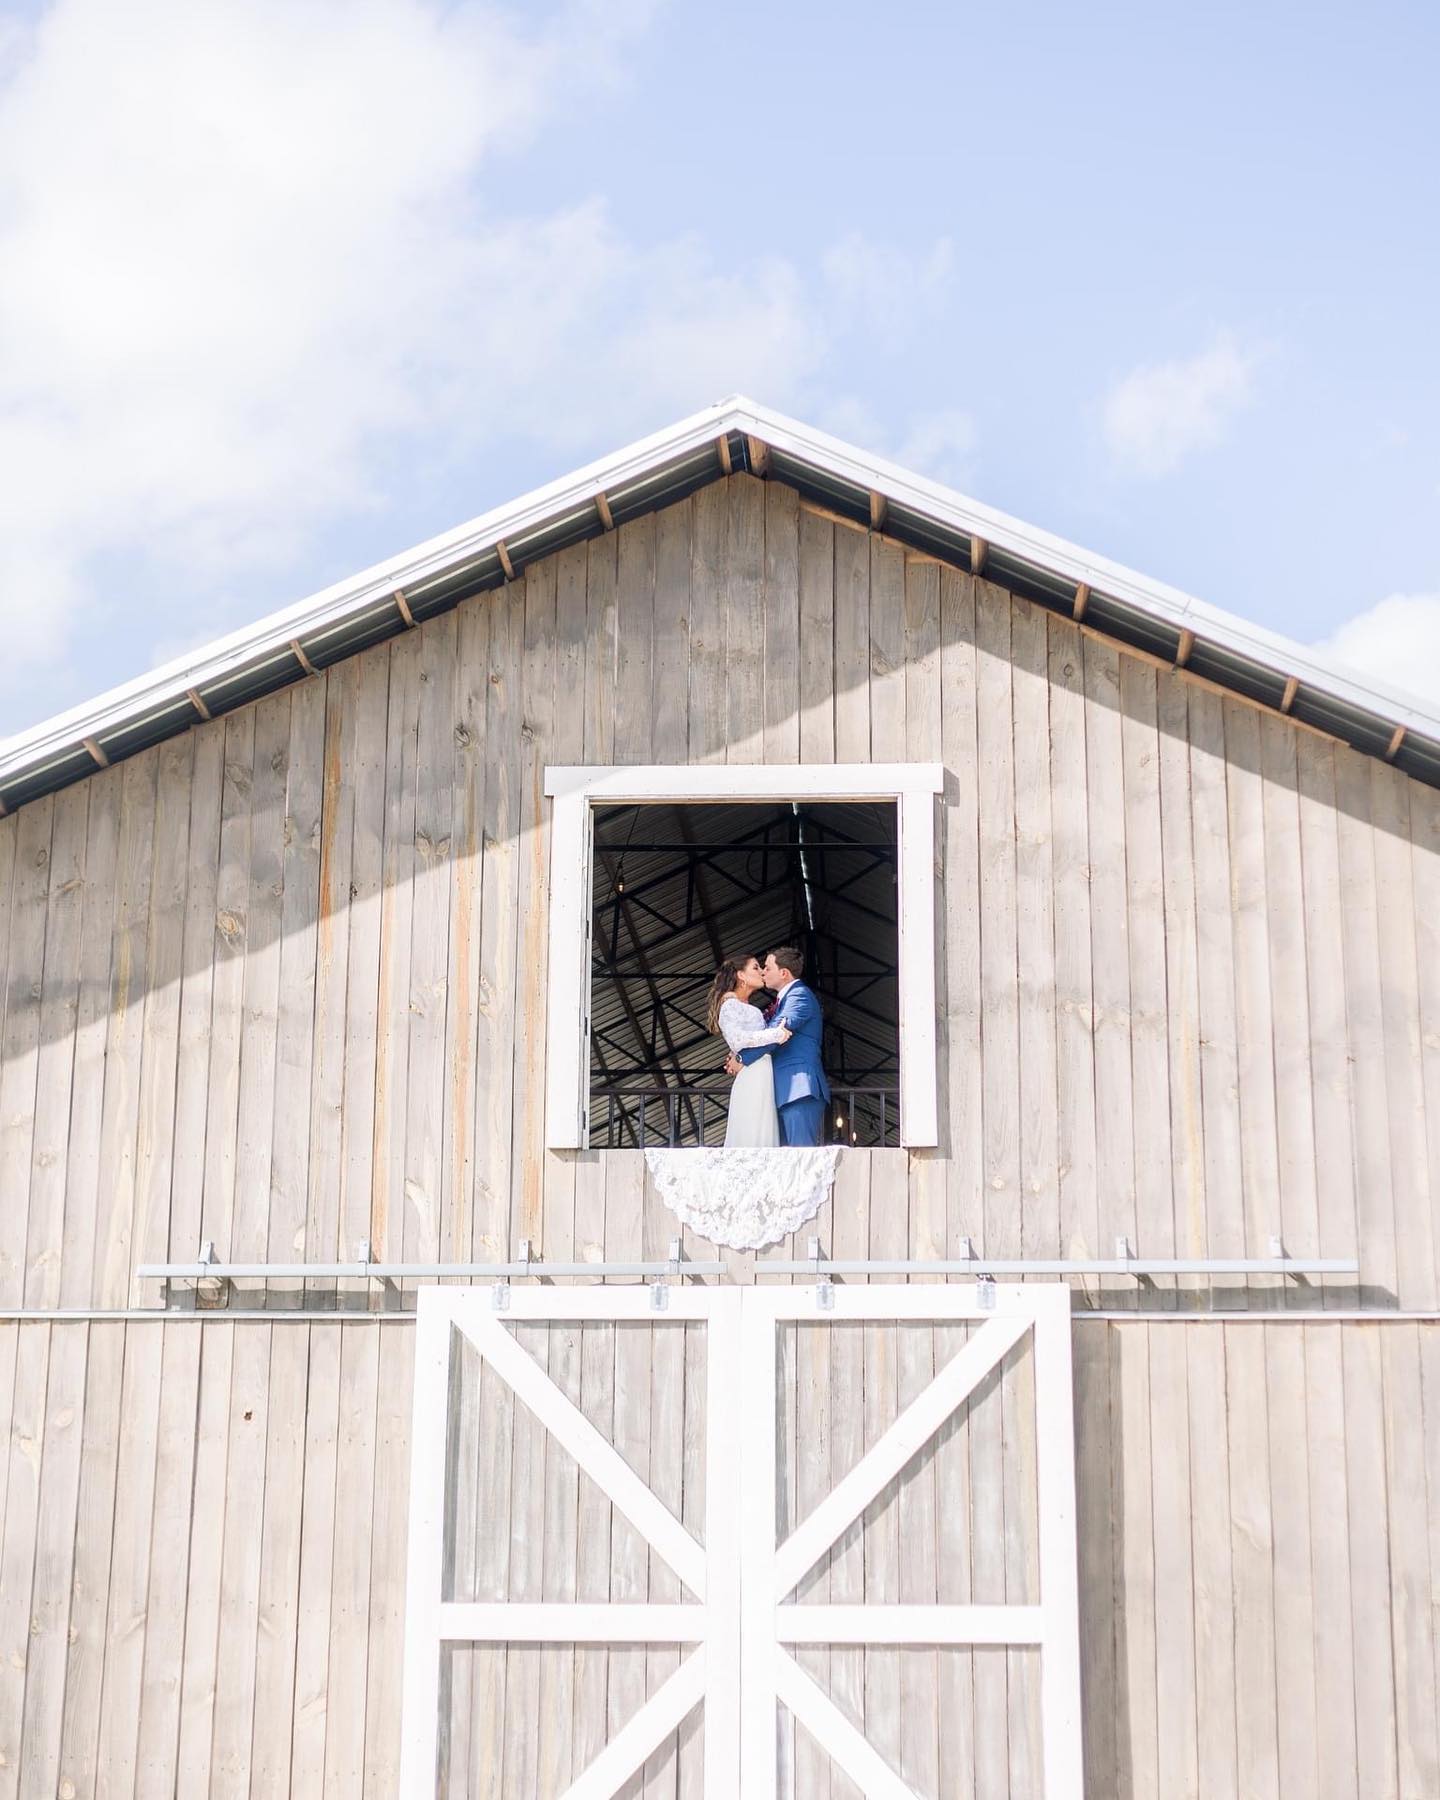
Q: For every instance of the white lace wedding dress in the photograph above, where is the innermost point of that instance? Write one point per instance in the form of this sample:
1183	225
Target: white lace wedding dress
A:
752	1192
753	1123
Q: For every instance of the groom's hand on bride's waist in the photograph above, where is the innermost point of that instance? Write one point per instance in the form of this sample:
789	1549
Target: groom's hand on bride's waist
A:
733	1065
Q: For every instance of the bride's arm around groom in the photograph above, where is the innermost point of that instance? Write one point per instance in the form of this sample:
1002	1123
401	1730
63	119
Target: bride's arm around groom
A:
801	1090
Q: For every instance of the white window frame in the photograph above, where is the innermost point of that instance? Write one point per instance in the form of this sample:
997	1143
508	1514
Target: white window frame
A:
575	792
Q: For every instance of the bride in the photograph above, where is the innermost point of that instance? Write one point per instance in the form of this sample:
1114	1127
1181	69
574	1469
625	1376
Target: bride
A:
753	1123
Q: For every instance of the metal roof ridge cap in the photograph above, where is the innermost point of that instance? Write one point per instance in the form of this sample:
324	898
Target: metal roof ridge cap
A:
164	687
1109	579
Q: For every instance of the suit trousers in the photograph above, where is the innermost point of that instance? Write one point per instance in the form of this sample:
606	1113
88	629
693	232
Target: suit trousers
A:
802	1121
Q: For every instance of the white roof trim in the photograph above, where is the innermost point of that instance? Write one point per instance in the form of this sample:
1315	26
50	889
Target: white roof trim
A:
167	686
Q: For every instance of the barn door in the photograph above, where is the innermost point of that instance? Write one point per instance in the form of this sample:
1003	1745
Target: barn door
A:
741	1628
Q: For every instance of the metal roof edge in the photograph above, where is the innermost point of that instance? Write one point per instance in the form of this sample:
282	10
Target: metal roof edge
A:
167	688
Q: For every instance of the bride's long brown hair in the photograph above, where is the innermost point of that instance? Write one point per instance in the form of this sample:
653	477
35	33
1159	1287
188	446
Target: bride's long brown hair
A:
721	988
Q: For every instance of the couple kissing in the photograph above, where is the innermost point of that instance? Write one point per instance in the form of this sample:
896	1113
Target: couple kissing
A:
780	1092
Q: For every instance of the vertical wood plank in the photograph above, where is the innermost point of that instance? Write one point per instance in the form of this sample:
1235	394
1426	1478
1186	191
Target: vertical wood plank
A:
37	1763
998	971
227	1010
184	1220
1219	1069
1110	952
23	1451
710	510
1330	1564
355	1474
527	1151
742	578
160	1036
422	1198
1149	1025
261	1000
1331	1110
94	1533
852	647
367	864
1182	983
1289	988
466	891
1297	1727
635	612
169	1575
1412	1581
887	649
603	651
495	1008
1096	1551
816	582
59	998
1376	1751
1365	1029
1414	1200
1254	1024
92	1017
198	1673
233	1724
670	671
125	1628
1425	873
323	1214
1035	936
1215	1623
960	1039
387	1564
1252	1559
397	905
1137	1726
319	1509
277	1607
1079	1224
296	1010
780	662
20	1042
1172	1473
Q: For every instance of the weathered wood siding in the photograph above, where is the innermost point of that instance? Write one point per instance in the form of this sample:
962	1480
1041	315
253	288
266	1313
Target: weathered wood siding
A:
280	984
1255	1583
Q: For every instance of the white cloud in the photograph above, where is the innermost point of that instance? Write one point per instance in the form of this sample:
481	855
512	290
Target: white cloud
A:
252	251
1160	413
1397	641
943	444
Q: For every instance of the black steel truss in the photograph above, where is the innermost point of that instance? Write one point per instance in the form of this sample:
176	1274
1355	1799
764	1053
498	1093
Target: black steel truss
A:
643	1041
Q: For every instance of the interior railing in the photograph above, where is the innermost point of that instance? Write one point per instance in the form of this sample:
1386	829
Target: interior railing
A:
629	1115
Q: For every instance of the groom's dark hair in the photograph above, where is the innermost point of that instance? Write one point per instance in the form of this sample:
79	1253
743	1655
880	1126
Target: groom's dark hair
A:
790	959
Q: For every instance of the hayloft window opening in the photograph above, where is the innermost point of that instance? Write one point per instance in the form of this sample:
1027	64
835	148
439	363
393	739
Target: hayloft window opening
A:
658	873
677	888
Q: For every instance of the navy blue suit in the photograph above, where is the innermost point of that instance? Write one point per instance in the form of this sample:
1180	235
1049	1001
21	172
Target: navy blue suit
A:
801	1091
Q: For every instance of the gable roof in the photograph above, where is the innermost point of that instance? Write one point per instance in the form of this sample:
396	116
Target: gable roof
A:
736	434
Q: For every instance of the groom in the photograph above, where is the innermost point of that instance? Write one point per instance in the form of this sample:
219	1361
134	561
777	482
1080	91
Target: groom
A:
801	1090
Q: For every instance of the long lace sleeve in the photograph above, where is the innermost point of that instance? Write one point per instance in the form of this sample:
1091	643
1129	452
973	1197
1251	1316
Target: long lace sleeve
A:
737	1030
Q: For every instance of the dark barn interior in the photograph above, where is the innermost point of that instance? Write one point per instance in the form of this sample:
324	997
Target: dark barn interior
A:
678	887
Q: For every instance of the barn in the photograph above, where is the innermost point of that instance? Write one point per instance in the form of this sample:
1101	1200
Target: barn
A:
375	1423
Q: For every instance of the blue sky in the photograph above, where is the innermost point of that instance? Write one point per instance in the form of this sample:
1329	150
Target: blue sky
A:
285	287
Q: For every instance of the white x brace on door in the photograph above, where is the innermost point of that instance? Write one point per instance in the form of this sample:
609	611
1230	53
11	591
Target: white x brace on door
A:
740	1628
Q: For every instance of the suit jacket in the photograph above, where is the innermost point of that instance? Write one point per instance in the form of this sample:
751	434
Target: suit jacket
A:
798	1074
